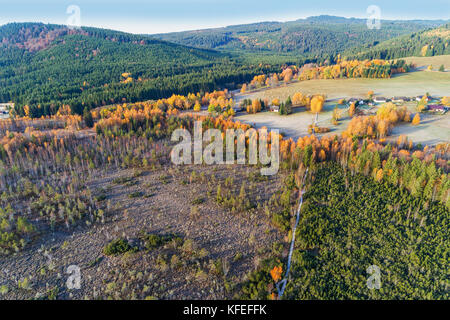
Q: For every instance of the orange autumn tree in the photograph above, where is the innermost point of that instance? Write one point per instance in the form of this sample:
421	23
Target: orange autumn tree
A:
416	120
351	110
379	175
26	109
64	110
276	273
197	106
287	75
276	102
275	79
317	103
254	107
298	99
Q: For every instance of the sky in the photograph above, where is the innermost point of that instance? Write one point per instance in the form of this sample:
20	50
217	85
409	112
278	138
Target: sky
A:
160	16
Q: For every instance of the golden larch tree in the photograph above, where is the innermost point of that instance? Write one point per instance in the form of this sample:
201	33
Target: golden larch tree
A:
416	119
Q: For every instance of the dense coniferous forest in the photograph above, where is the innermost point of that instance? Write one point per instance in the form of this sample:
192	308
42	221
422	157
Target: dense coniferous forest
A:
46	66
427	43
311	36
351	222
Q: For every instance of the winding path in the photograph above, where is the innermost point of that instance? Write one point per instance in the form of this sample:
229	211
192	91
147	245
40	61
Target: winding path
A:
283	282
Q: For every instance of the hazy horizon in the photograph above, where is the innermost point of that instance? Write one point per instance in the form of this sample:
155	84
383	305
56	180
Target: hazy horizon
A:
220	26
157	16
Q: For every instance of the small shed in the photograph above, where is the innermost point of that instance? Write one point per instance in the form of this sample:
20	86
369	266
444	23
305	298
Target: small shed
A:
274	108
380	99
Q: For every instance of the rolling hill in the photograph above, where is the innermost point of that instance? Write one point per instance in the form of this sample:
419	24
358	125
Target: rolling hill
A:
44	66
310	36
426	43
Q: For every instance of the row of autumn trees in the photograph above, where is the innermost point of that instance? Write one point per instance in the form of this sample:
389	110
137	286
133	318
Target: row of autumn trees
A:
131	136
420	170
379	125
195	101
399	164
313	103
356	69
65	117
342	69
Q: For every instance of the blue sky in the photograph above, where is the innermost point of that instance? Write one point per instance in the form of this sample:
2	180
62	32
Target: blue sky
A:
156	16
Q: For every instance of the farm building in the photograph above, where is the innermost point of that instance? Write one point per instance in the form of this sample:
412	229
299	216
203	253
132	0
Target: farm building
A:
4	107
274	108
380	99
418	98
399	99
437	108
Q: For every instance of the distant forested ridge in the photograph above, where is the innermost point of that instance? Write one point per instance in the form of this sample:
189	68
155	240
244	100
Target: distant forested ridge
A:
311	36
431	42
46	66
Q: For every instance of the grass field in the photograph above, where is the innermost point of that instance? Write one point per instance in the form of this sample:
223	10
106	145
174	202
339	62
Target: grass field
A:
436	61
432	130
408	84
296	124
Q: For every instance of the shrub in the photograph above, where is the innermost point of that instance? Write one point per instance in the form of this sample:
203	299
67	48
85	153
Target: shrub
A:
23	226
117	247
135	194
198	200
121	180
153	241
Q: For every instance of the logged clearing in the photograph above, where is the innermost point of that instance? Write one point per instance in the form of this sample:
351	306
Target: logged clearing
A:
145	202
